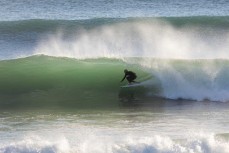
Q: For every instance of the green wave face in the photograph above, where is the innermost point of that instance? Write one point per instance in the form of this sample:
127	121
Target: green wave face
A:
42	81
50	81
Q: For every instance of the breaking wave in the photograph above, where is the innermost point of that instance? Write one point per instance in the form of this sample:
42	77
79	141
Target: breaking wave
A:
44	80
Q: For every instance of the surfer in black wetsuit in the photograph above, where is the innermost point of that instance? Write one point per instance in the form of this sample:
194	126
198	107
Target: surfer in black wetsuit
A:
130	76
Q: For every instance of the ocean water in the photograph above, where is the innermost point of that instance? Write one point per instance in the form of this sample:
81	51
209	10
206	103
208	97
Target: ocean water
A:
61	63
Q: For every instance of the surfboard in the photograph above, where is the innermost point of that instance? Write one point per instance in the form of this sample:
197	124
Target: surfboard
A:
131	85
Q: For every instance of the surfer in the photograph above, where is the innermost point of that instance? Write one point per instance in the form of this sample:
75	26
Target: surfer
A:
130	76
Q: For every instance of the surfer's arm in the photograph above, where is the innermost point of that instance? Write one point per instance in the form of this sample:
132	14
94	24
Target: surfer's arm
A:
123	78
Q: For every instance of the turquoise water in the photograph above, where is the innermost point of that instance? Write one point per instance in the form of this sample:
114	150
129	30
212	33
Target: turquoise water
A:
61	63
42	81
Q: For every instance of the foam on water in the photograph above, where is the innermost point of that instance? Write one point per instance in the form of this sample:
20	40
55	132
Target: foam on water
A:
190	79
180	57
126	144
35	144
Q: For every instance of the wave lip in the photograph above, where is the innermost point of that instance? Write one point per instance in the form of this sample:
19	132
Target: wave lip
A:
199	37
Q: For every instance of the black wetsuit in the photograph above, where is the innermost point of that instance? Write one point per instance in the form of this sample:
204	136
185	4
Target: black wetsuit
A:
130	76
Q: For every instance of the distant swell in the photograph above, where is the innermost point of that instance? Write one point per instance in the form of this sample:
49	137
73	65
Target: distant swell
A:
39	25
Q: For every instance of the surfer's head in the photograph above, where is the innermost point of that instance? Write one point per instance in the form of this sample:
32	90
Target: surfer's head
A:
125	70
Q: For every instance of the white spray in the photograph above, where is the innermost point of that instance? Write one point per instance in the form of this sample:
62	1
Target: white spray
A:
158	40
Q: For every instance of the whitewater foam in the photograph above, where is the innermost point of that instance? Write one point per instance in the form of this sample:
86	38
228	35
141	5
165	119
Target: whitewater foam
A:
35	144
129	144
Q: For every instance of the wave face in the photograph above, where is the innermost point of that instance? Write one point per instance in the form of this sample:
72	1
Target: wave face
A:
44	81
52	81
165	37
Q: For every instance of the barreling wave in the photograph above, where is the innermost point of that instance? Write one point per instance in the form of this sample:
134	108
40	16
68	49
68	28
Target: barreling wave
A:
82	61
47	81
50	81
